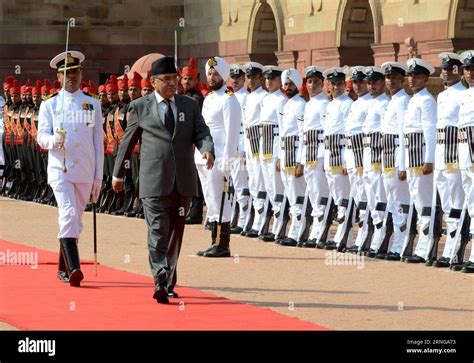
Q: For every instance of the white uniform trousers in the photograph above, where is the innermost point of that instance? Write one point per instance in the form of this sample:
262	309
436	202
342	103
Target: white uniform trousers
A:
317	188
257	187
212	182
452	196
72	199
294	190
240	179
273	186
421	194
397	194
356	180
375	191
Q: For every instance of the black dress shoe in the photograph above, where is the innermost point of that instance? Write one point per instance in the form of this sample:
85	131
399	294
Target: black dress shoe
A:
468	268
267	237
252	233
370	253
330	245
161	295
392	256
217	251
172	294
415	259
430	262
288	242
380	256
75	278
278	241
353	249
456	266
236	230
310	244
300	244
442	262
321	244
201	253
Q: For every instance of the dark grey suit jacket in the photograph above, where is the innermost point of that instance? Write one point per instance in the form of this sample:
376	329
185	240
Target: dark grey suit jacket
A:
164	158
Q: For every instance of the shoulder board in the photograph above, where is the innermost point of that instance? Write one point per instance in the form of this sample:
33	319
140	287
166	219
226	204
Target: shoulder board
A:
87	94
229	92
51	96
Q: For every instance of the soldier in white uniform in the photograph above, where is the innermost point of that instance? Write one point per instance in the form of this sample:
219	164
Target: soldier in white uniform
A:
239	172
420	140
270	117
253	73
373	182
312	156
334	160
70	127
393	156
466	159
447	175
354	156
222	114
291	140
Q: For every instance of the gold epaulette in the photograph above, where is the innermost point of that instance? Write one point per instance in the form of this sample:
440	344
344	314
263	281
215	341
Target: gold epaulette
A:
229	92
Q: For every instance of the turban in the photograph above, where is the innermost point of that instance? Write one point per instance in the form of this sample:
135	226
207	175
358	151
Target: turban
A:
293	75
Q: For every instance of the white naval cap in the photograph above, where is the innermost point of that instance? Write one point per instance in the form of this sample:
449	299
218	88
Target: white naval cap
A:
252	68
272	71
467	58
71	59
357	73
449	60
220	65
313	71
394	67
293	75
373	73
236	70
334	74
417	66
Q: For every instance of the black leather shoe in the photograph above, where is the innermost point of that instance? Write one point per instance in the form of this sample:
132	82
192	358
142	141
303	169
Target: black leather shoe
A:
353	249
456	266
267	237
330	245
380	256
217	251
288	242
278	241
252	233
442	262
75	278
236	230
310	244
468	268
430	262
392	256
300	244
161	295
415	259
172	294
321	244
370	253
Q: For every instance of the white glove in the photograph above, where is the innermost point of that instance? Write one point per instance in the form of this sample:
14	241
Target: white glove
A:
58	140
96	186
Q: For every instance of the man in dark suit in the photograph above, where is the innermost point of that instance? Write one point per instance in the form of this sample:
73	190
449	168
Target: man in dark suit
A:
167	125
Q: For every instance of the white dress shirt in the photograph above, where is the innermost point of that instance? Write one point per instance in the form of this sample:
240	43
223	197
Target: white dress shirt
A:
421	117
357	115
336	115
162	106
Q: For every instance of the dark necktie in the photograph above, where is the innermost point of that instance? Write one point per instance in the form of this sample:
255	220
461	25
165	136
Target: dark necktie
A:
169	117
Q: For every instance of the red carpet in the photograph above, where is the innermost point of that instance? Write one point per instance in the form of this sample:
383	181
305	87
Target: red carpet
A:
33	299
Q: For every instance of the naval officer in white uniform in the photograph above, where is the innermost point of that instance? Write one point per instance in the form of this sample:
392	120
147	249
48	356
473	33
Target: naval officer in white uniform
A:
70	127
